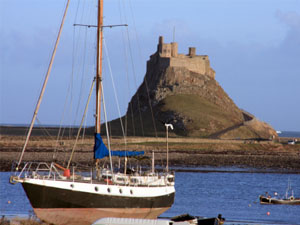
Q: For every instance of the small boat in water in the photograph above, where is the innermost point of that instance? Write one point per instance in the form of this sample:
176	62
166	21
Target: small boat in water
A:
287	199
184	219
196	220
273	200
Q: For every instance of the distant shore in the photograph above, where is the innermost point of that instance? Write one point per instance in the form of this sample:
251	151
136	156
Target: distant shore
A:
183	152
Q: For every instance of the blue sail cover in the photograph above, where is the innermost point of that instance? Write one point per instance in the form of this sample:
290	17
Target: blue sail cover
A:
101	151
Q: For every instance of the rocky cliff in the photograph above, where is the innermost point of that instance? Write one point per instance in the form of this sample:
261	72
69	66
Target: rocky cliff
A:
182	90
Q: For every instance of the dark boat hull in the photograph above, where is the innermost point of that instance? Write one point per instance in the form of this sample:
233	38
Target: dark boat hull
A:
49	197
64	206
268	200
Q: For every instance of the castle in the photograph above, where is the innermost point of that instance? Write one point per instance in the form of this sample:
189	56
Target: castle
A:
167	56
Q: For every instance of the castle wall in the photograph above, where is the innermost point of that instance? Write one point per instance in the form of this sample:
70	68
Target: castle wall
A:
195	64
168	56
164	63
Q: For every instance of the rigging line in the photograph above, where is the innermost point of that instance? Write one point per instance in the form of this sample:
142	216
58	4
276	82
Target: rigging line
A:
89	12
74	53
83	11
146	83
130	103
84	128
82	121
106	126
126	69
76	48
44	128
61	130
44	85
114	88
134	75
70	88
84	60
76	11
127	77
80	97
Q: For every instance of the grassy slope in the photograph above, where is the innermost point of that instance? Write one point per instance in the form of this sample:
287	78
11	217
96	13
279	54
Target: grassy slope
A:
205	117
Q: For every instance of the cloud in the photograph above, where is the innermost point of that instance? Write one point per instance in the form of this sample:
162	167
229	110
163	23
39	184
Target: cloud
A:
291	44
291	19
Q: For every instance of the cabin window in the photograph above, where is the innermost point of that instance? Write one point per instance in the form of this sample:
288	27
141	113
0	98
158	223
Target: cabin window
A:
120	179
134	180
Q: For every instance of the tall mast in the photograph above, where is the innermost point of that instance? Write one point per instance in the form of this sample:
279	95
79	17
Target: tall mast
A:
44	85
99	66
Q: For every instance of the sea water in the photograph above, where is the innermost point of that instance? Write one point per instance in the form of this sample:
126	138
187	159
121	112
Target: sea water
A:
291	134
202	192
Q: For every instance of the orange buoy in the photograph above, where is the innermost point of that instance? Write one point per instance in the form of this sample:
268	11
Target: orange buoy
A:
268	213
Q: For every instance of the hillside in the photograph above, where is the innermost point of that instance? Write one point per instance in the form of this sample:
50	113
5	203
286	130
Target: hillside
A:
182	90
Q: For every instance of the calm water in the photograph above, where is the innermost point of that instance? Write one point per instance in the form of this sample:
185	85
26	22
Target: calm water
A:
289	134
234	194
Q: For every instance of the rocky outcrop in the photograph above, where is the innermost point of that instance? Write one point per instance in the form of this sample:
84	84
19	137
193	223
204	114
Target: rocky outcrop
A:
182	90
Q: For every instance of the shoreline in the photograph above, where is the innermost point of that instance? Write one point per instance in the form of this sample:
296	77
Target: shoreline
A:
183	152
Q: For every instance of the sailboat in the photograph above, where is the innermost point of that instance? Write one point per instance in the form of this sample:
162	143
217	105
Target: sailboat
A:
60	195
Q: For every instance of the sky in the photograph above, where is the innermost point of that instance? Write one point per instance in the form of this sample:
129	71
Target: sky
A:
253	45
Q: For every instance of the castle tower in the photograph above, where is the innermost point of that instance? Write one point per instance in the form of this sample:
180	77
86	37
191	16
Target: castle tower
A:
160	40
160	44
164	50
192	51
174	49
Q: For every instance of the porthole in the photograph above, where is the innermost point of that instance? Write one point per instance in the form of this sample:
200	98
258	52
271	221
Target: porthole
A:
131	192
108	190
96	188
72	185
120	190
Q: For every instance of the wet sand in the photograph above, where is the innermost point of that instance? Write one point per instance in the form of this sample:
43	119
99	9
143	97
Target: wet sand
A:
183	152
